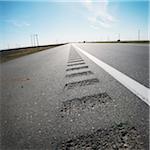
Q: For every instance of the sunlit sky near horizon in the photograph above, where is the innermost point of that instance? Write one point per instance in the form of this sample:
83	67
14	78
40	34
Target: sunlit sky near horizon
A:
57	22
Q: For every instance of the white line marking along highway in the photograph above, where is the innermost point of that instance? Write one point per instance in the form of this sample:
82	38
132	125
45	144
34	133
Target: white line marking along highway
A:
138	89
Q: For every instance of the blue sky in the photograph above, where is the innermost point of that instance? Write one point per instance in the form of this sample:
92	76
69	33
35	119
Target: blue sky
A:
71	21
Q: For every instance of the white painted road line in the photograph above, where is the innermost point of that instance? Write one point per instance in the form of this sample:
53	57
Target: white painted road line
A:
138	89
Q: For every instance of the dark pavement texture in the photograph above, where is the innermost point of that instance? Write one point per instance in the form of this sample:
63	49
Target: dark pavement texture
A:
39	111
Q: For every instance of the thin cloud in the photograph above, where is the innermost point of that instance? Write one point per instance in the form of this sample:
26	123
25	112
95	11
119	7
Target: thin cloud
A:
18	24
94	27
99	15
88	4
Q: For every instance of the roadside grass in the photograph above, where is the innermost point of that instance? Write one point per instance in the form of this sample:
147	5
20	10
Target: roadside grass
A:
6	55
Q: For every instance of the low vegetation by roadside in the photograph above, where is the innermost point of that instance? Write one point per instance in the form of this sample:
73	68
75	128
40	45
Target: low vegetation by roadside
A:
6	55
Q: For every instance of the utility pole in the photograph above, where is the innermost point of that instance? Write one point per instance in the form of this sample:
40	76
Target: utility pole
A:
33	39
32	44
17	45
37	40
119	36
139	35
107	38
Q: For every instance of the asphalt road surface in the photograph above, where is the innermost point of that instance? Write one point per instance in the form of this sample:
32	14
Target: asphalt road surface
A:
59	99
131	59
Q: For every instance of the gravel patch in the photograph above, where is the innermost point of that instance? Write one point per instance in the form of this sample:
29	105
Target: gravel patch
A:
75	64
76	68
79	74
87	102
117	137
81	83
